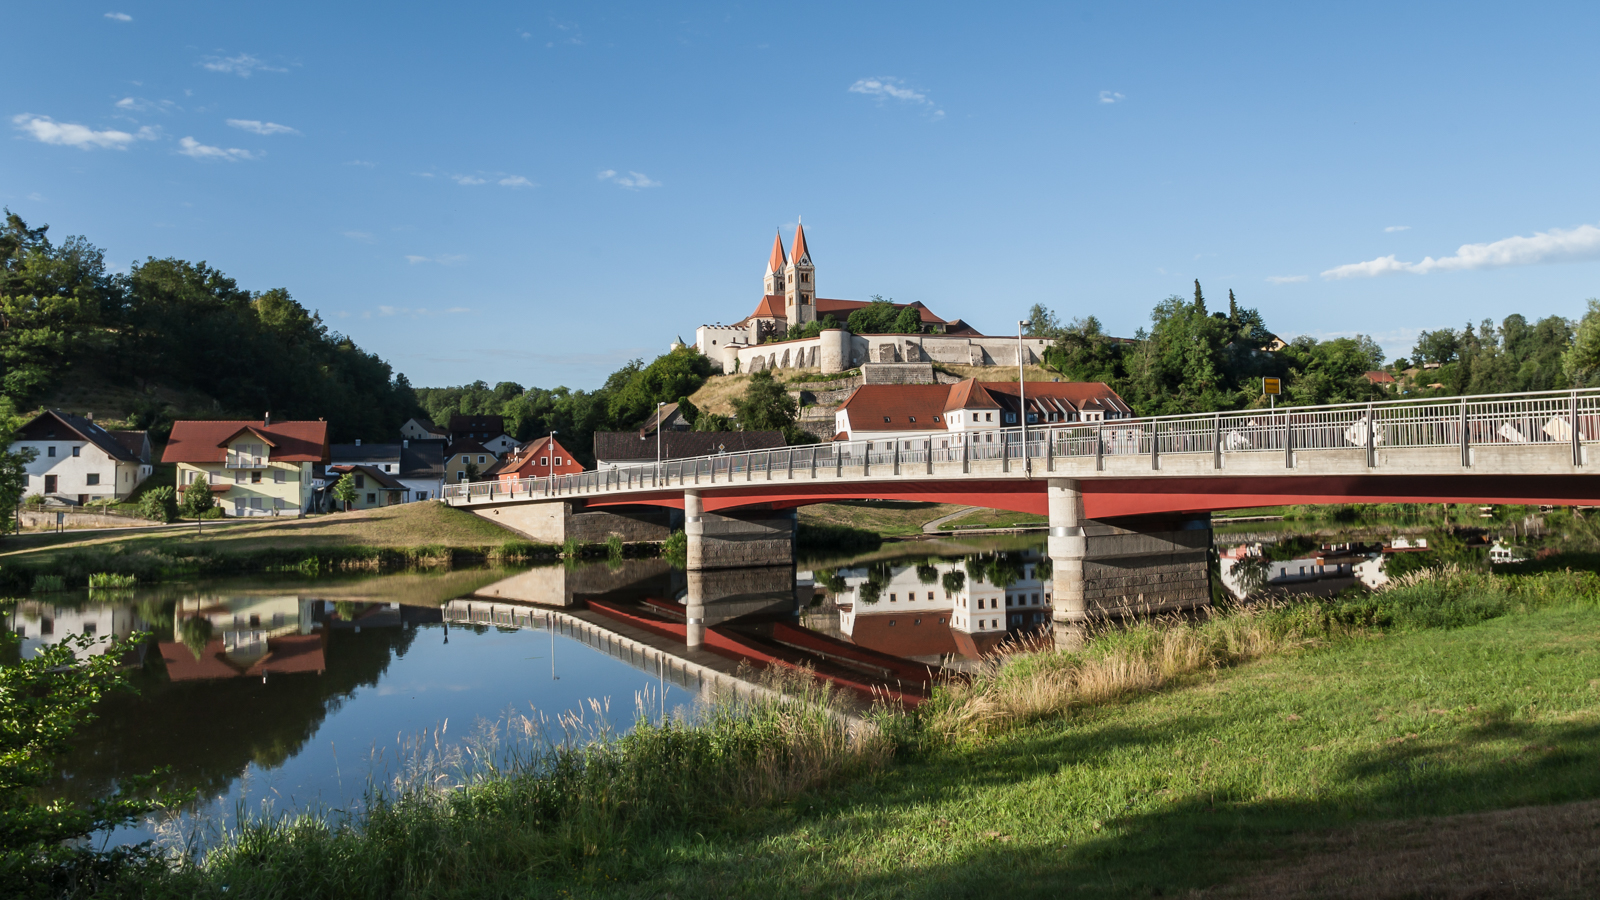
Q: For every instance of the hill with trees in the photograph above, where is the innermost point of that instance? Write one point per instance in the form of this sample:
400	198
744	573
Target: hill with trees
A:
173	339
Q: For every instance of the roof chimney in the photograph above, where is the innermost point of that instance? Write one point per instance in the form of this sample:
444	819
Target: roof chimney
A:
266	420
89	416
358	442
404	445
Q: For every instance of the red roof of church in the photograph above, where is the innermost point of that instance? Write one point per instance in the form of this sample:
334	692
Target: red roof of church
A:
776	261
800	251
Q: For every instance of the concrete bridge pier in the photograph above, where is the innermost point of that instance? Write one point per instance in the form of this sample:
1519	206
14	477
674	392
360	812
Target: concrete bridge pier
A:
1121	568
737	539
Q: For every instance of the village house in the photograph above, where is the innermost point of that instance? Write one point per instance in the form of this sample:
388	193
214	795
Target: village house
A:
970	411
467	459
261	468
77	461
490	431
539	459
374	487
420	428
417	465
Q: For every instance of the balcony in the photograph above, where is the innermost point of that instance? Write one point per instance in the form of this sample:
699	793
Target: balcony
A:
245	461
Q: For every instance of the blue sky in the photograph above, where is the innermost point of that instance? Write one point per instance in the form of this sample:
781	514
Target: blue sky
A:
540	192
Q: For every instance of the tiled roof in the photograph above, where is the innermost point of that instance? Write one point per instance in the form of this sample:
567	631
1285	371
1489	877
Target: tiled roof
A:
897	407
85	429
422	459
196	441
427	425
800	251
776	261
627	446
364	453
1079	395
135	442
968	394
489	426
464	446
905	637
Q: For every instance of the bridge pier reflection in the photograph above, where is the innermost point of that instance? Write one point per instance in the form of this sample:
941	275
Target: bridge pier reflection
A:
753	536
1124	567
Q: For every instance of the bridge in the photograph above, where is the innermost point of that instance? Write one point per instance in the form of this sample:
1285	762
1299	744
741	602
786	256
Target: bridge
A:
1128	501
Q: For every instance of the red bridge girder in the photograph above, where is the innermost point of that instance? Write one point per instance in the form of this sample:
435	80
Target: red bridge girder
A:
1108	498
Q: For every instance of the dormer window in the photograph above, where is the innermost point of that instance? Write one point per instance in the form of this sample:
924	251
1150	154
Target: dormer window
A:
885	418
913	418
936	418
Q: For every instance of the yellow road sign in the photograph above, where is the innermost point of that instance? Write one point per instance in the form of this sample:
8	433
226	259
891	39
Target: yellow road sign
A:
1272	386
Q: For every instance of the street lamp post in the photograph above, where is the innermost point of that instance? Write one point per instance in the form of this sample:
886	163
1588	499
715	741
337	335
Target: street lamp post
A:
659	404
1022	393
550	460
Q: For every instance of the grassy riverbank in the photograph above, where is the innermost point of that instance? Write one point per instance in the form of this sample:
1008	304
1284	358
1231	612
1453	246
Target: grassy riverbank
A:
889	518
391	537
1302	750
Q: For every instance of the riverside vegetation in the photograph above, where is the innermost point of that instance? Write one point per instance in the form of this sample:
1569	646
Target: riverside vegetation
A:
1243	753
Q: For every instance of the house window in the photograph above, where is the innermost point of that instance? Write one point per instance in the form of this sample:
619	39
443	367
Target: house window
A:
75	451
280	503
277	476
988	417
93	477
255	503
544	460
422	495
388	468
361	482
891	598
930	595
372	498
50	451
480	460
558	460
255	477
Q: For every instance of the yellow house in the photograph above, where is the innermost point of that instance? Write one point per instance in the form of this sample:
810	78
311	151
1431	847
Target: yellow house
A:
254	468
464	453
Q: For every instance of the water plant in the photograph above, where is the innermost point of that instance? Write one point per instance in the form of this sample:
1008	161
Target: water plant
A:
112	580
46	583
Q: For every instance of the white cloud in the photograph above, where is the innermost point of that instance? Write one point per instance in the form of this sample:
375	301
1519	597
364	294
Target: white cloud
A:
446	259
1110	97
362	236
1393	228
46	130
256	127
359	162
119	17
416	312
1287	279
467	179
515	181
632	181
894	89
242	65
1555	245
190	147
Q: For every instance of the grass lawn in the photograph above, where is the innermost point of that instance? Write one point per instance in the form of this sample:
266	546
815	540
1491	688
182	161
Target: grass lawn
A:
996	518
1267	780
406	525
890	518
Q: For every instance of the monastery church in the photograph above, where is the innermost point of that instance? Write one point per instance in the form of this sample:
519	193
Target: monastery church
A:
789	298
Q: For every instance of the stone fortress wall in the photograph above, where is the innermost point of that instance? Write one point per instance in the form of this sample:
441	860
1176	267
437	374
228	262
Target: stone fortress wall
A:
837	350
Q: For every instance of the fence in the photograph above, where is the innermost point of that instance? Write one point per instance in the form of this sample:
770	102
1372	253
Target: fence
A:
1456	422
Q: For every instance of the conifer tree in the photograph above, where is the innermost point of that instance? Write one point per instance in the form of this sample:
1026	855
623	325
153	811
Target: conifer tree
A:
1233	309
1199	299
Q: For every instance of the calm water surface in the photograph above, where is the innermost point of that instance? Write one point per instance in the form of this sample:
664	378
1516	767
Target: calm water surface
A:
290	693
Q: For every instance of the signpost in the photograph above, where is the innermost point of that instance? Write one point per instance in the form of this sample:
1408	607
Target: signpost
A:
1272	387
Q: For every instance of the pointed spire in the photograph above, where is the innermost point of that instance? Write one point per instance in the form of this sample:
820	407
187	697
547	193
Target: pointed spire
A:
776	261
800	251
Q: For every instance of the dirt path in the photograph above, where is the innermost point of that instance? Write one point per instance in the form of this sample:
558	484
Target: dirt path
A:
933	526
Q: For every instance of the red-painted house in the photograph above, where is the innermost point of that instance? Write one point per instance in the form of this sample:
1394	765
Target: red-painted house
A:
540	458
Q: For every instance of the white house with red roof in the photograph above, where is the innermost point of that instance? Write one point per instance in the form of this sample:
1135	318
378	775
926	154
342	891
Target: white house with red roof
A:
789	298
260	468
970	410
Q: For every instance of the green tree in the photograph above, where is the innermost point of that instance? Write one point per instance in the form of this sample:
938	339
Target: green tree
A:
197	498
877	317
51	297
710	421
670	376
765	405
907	321
158	503
344	490
44	701
1043	322
1083	352
1581	363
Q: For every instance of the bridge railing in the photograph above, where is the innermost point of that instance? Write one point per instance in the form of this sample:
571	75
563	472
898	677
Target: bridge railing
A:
1556	417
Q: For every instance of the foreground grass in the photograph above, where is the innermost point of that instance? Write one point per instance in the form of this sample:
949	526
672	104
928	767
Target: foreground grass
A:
996	518
1241	756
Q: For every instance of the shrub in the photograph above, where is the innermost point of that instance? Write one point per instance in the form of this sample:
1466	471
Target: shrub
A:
159	504
614	546
46	583
112	580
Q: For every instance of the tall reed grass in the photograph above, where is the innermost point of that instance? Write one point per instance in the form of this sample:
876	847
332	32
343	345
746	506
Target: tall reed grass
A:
533	798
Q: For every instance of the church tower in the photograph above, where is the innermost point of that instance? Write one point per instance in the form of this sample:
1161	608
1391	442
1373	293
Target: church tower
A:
776	263
800	282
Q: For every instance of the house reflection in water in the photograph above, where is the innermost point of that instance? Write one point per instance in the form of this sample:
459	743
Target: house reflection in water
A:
943	610
231	637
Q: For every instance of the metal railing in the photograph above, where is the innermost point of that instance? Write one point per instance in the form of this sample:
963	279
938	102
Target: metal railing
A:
245	461
1455	422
